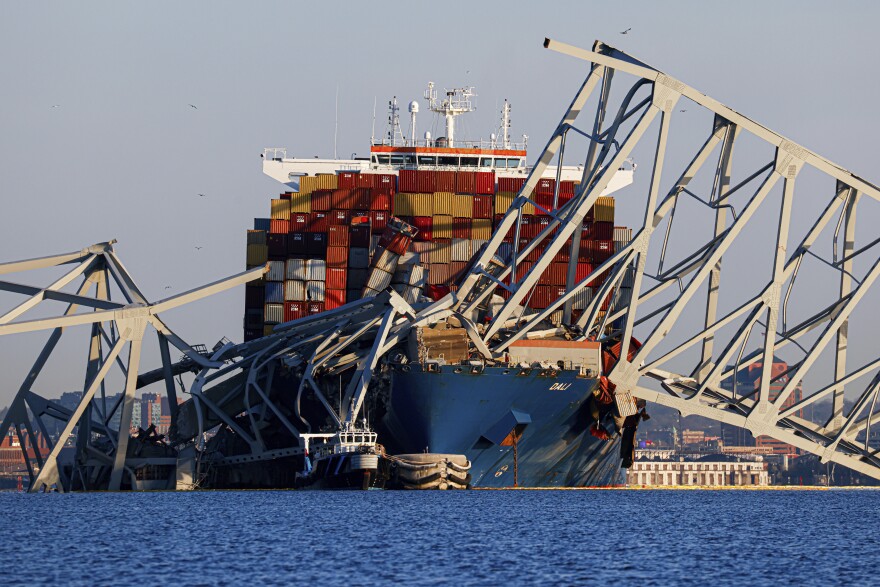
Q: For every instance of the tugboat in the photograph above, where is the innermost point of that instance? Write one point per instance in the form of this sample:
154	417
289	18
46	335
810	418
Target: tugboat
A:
348	459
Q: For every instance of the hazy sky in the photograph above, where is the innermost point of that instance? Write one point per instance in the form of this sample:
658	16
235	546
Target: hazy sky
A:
124	156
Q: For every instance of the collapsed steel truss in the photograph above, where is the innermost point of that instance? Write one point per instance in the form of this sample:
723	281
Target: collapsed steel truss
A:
101	452
697	372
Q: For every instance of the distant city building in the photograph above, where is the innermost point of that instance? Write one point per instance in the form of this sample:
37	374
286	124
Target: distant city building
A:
747	381
710	471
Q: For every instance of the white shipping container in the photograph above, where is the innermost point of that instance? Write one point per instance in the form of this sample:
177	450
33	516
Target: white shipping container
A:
409	258
476	243
296	269
315	291
276	271
369	293
274	313
411	294
316	270
623	234
461	249
378	280
294	291
385	260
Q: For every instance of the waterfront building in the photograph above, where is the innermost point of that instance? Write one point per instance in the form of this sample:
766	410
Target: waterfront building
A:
709	471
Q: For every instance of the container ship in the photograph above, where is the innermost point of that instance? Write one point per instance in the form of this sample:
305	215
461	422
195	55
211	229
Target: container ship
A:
410	217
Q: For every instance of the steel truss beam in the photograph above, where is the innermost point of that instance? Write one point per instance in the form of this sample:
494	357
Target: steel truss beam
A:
100	453
696	368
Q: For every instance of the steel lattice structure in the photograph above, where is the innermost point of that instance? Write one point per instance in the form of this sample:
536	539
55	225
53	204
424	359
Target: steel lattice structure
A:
696	373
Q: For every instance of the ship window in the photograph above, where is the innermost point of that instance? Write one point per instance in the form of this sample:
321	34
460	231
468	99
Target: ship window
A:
469	161
501	163
397	159
451	161
486	162
382	159
409	159
425	160
512	163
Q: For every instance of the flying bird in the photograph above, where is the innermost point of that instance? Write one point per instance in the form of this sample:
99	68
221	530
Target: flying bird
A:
55	105
193	106
167	287
626	31
682	110
198	248
202	195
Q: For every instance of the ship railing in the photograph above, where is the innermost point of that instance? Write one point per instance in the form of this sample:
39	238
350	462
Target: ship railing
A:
431	143
275	153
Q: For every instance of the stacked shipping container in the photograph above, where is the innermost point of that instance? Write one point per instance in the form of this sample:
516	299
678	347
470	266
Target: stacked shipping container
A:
323	243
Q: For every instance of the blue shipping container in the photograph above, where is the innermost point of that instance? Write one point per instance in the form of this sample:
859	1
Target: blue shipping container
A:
261	224
274	292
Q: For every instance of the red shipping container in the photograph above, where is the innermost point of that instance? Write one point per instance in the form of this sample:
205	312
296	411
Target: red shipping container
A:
294	310
510	184
359	217
545	187
379	220
342	199
361	198
439	274
365	180
338	217
337	236
587	232
585	252
315	308
347	179
581	271
482	207
380	201
426	181
528	227
444	181
396	242
545	201
299	222
466	182
296	243
564	254
602	250
384	183
337	257
318	222
336	278
558	273
457	269
536	252
333	298
603	231
359	236
556	292
279	226
566	187
485	183
286	196
564	199
541	297
408	181
322	200
461	228
425	226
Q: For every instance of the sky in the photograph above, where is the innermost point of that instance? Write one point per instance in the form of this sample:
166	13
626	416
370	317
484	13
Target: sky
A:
98	139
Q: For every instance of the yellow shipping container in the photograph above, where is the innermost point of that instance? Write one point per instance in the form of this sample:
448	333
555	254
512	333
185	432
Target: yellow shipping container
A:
257	254
444	203
503	200
481	229
280	210
422	204
402	205
603	211
301	203
256	237
307	184
441	227
441	251
326	181
462	206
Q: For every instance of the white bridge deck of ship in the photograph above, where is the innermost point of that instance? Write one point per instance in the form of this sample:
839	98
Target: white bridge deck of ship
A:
667	287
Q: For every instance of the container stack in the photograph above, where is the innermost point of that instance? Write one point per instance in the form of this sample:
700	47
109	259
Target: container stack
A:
345	236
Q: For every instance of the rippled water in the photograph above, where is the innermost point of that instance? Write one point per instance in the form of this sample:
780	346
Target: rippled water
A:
443	538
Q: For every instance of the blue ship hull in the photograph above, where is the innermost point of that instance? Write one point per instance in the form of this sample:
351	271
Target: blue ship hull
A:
455	411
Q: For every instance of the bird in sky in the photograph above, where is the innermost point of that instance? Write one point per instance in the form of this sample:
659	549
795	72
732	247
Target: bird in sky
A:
682	110
55	105
202	195
198	248
193	106
626	31
167	287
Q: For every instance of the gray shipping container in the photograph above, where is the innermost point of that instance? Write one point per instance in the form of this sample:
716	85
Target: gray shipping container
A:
315	291
276	271
274	313
412	294
409	275
296	269
582	299
374	244
316	270
294	291
358	258
461	249
378	280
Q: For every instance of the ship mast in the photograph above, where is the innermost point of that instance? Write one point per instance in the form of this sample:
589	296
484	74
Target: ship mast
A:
457	101
505	125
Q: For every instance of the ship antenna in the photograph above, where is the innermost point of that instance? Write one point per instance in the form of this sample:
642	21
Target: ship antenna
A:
505	124
336	123
373	130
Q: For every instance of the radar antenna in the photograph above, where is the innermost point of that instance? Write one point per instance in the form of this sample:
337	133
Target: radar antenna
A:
457	101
